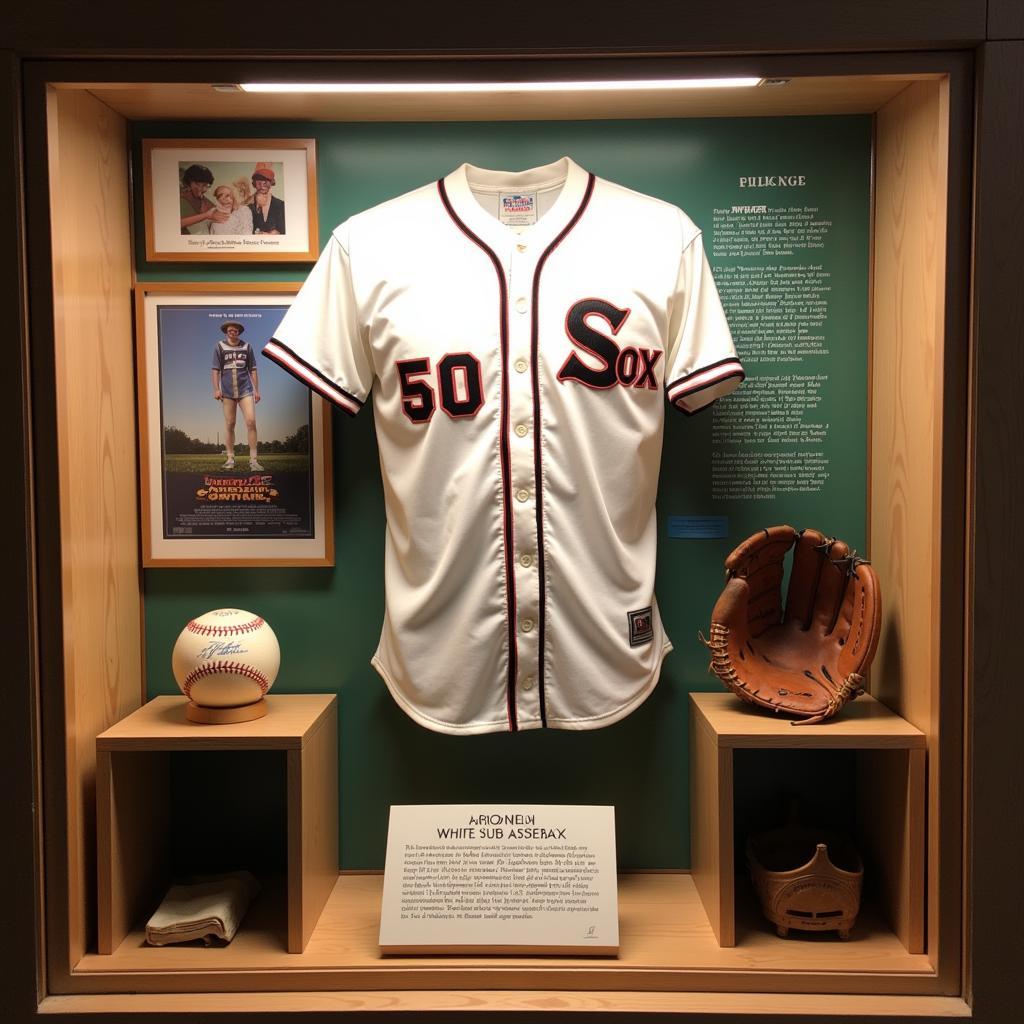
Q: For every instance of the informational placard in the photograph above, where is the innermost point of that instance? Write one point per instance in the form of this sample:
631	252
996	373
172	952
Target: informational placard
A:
508	878
777	276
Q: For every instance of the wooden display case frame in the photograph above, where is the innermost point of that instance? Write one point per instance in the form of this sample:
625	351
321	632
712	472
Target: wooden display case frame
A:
91	601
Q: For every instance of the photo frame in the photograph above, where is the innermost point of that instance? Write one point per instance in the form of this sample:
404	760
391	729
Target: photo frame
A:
207	500
230	200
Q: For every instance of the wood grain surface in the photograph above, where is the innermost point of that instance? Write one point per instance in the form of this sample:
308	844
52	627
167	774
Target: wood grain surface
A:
863	724
907	388
711	827
94	363
666	944
161	724
800	96
460	1005
312	828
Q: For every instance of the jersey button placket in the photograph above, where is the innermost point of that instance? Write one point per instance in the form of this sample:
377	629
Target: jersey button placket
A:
524	488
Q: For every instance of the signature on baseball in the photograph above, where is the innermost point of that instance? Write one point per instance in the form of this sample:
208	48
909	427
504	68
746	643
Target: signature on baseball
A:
221	649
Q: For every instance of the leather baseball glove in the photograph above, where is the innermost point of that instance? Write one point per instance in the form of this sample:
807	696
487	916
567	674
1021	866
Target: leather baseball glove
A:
809	658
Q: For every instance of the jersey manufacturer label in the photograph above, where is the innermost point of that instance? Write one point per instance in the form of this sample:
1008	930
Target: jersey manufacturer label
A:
517	209
641	626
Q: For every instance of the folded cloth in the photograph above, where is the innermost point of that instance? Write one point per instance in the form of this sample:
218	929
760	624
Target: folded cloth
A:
210	908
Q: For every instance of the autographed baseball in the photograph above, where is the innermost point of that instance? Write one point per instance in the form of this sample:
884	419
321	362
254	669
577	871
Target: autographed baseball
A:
226	658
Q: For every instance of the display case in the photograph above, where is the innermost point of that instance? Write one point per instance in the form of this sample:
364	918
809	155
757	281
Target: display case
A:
676	950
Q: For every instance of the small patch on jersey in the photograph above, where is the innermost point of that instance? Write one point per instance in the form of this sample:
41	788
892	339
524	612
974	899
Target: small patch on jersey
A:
641	626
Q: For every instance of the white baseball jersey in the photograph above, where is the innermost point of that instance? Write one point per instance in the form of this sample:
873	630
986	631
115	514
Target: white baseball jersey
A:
518	332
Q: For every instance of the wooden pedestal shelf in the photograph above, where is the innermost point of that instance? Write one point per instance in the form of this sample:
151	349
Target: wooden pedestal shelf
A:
666	945
890	797
133	807
316	931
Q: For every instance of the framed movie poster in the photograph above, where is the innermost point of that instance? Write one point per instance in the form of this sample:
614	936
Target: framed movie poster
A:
234	452
230	199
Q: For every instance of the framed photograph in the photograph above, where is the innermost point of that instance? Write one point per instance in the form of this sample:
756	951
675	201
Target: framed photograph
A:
230	199
234	452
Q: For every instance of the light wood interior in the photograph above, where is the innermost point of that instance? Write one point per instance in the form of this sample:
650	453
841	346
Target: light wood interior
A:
312	828
669	943
666	944
161	725
711	828
890	793
908	331
133	838
804	1006
798	96
135	823
891	814
865	724
102	602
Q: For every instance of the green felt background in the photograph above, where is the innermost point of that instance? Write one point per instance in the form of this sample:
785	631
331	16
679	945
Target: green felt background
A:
328	620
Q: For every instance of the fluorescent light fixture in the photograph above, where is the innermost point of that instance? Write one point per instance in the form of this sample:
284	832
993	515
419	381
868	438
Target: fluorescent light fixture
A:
454	87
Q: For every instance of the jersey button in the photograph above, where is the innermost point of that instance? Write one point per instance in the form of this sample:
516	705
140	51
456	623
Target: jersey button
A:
527	625
528	683
521	366
522	495
521	246
526	561
522	430
521	304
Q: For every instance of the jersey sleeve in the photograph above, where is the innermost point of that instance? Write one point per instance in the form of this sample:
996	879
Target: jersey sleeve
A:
320	340
701	364
215	364
250	358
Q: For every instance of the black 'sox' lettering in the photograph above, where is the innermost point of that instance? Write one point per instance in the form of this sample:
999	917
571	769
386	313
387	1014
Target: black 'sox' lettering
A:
630	366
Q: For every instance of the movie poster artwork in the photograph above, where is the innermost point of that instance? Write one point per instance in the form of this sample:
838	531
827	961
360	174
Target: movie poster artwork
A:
235	443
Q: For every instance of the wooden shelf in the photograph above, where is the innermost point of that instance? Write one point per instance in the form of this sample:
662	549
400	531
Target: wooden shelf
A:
667	942
890	789
864	724
134	823
161	724
666	945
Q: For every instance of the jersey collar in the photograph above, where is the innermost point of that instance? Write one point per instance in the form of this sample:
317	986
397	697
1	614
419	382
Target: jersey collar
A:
459	187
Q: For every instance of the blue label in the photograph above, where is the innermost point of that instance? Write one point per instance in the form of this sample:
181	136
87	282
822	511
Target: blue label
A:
698	527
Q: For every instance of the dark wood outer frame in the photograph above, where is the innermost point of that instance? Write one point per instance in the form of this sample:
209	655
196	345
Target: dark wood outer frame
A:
320	409
998	320
312	250
409	27
22	943
995	604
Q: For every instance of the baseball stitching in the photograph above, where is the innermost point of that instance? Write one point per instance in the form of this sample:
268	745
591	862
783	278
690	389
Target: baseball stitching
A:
224	668
242	627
